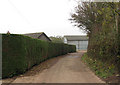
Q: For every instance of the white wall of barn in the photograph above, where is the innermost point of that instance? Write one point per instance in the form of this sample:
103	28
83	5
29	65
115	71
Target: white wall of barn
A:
80	45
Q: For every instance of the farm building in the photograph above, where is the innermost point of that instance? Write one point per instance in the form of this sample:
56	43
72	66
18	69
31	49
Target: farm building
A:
81	42
40	35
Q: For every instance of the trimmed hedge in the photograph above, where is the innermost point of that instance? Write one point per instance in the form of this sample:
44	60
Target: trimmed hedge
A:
20	53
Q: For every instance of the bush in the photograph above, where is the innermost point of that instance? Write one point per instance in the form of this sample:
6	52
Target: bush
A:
101	69
103	47
20	53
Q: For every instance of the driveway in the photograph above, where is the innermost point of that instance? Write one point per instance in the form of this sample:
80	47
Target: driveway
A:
67	69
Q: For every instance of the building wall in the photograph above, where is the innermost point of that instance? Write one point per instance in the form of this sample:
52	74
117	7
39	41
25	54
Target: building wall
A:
65	40
83	45
80	45
43	37
73	43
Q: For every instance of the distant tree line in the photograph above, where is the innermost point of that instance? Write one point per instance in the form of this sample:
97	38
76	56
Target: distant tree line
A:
57	39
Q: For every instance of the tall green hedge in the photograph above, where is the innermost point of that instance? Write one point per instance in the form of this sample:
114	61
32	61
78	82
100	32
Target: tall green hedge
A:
20	53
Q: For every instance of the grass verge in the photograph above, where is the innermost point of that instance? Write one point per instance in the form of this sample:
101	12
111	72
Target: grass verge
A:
101	69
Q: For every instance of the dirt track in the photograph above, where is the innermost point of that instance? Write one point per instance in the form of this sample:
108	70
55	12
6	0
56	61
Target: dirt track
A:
68	69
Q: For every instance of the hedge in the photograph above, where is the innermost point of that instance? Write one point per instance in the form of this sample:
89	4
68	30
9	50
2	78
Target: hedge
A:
20	53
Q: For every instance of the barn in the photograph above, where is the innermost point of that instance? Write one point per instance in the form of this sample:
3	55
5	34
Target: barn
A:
81	42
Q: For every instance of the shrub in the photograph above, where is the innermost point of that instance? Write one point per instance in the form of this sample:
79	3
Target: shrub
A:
101	69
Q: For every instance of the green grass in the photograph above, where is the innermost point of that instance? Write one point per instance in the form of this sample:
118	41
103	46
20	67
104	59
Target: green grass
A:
101	69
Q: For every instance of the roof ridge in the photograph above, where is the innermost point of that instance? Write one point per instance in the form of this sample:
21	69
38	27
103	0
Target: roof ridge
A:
36	33
75	36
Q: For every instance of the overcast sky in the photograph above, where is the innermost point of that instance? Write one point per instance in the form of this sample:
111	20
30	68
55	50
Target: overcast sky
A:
29	16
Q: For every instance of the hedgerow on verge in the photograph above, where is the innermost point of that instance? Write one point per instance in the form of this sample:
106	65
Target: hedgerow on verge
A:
101	69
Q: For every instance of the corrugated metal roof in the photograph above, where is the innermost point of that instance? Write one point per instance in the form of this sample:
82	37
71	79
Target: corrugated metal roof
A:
75	38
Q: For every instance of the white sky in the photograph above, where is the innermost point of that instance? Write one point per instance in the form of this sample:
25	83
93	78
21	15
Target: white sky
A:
29	16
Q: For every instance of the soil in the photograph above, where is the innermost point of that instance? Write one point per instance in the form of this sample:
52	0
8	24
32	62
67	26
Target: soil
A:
112	79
